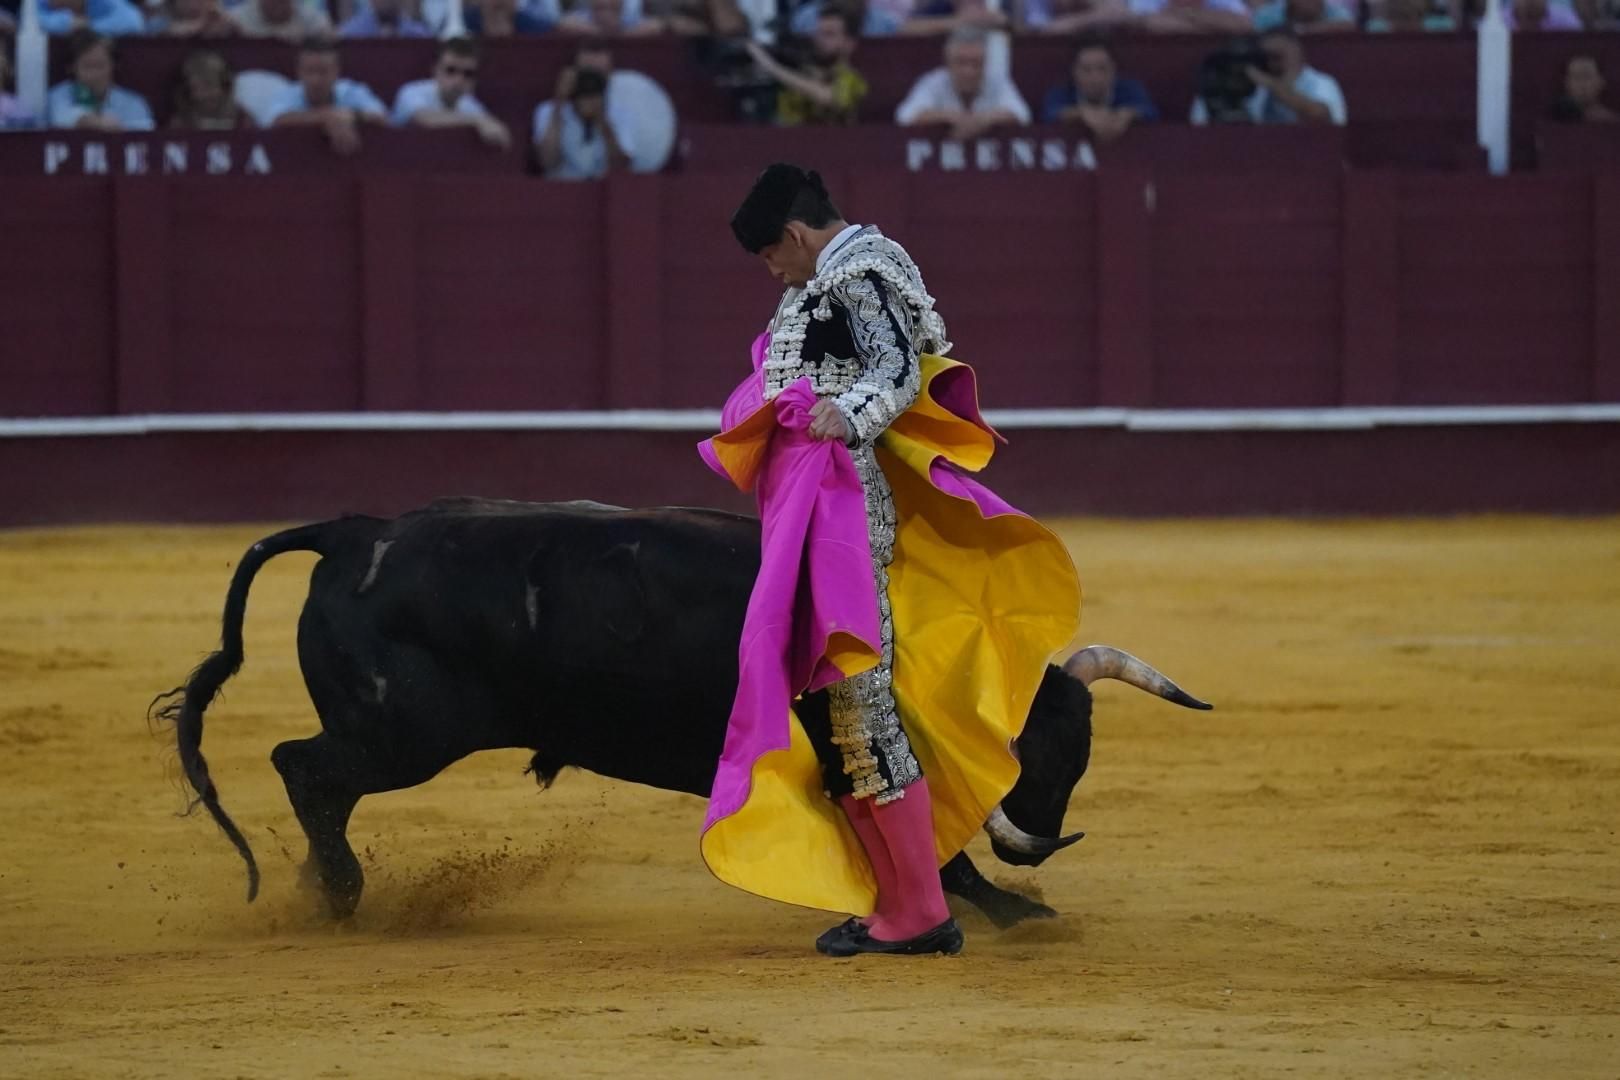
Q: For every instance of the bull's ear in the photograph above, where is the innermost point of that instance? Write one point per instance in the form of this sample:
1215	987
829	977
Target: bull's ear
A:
613	584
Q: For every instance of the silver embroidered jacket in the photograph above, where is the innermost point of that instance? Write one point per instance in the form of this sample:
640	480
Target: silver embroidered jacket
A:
856	330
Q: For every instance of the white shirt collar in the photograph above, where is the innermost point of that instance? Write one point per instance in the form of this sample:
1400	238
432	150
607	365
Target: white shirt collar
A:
834	244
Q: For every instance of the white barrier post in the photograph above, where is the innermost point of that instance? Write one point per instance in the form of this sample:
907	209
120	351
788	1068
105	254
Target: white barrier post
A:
998	48
454	24
31	61
1495	81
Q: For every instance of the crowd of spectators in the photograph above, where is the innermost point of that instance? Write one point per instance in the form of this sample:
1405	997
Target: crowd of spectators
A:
767	21
804	55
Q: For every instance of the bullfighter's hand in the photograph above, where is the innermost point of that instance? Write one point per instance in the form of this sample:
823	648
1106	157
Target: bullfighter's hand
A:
827	422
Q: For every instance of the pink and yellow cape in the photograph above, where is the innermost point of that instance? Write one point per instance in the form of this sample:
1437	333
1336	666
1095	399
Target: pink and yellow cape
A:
982	599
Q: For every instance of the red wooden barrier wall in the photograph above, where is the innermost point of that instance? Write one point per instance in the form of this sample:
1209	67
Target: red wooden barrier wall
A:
1118	288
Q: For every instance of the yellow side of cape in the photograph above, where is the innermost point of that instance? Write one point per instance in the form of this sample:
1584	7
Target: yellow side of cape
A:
980	607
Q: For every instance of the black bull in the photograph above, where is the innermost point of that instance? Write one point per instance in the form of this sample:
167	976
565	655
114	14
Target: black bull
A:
597	637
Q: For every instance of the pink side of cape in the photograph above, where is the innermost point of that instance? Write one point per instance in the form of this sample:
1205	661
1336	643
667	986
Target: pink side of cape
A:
815	579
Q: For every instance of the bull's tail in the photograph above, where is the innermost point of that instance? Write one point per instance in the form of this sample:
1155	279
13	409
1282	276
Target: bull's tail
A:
184	705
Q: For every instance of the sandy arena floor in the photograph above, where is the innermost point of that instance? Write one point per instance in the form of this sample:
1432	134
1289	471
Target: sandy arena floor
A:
1390	852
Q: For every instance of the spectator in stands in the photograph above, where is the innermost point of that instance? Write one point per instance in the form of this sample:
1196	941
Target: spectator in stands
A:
960	95
1037	16
204	95
1582	100
1305	16
384	18
1190	16
706	18
109	18
1539	15
944	16
1153	16
1286	91
446	100
1409	17
874	19
1096	97
90	100
323	98
13	117
575	136
502	19
289	20
608	18
192	18
1599	14
595	54
825	88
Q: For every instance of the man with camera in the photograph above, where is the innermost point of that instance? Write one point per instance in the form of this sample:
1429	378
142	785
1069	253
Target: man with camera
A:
576	136
1268	83
817	85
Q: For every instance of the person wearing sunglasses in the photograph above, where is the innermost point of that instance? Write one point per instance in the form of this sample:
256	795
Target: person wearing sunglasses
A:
446	100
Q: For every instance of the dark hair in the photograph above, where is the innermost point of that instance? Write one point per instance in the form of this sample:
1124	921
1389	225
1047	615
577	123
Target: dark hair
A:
185	109
464	47
1281	30
594	43
1590	58
83	40
813	206
845	14
782	193
1087	44
319	43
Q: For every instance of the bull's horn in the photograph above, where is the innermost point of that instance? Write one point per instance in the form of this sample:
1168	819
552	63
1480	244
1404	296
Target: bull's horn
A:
1105	662
1008	835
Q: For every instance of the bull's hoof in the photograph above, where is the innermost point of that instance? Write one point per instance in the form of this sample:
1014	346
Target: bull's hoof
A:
340	897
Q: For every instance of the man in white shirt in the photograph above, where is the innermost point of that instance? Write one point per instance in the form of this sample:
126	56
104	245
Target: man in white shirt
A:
960	95
322	98
1287	91
446	100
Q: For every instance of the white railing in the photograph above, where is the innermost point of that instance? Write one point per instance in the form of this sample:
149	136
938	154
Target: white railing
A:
702	421
455	23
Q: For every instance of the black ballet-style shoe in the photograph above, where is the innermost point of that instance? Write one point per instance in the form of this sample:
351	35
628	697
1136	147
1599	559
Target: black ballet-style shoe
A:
853	939
839	936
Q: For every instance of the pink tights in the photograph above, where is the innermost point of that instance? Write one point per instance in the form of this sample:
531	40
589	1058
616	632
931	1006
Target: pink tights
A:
899	840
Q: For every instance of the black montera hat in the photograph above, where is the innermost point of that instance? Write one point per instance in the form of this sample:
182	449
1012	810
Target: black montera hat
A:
758	222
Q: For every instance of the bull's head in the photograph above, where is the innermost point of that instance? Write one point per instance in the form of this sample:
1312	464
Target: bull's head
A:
1055	748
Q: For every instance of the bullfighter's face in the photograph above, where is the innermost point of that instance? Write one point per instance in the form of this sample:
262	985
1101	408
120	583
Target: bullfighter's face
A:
792	259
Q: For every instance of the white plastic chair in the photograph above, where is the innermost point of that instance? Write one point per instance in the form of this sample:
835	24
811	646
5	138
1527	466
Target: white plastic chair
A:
258	91
653	136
